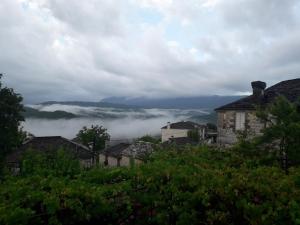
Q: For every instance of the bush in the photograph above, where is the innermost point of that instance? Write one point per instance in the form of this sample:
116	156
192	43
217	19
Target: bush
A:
57	163
191	186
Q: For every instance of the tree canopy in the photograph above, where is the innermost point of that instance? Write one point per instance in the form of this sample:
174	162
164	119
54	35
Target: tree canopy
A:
10	117
282	120
94	137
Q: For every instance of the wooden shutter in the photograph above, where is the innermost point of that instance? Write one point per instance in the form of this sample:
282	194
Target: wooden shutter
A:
240	119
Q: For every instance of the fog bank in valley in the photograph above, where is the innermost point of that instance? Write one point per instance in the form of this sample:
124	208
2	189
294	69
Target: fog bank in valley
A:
120	123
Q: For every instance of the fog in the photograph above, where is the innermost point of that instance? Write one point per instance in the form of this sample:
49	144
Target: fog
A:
120	123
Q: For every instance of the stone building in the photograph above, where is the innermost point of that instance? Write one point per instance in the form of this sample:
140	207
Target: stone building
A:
180	130
125	154
240	116
49	145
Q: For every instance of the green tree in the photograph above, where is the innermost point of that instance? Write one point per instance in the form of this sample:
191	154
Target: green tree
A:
194	135
95	138
211	126
282	120
11	109
149	138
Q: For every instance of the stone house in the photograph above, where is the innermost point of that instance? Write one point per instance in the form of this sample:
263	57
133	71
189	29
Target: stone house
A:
240	116
180	130
125	154
49	145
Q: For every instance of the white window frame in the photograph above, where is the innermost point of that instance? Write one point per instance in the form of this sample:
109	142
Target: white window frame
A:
240	120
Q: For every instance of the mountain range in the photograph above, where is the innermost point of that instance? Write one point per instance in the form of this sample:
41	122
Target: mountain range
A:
121	107
200	102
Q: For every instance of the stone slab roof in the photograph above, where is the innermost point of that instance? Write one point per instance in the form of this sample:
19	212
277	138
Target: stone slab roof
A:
116	150
49	144
185	125
139	149
289	89
136	150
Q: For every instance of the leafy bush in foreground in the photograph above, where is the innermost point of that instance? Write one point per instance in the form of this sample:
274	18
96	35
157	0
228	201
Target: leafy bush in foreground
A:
192	186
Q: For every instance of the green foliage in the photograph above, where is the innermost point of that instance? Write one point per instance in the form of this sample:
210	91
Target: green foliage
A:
10	118
150	139
95	136
283	130
187	186
194	135
57	163
211	126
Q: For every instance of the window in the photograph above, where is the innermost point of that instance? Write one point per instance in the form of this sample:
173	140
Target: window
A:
240	119
224	120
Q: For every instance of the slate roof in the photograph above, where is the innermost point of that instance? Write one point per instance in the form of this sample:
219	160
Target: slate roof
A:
49	144
139	150
289	89
136	150
116	150
186	125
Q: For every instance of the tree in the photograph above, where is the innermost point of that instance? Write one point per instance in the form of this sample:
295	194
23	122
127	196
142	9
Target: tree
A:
283	129
194	135
11	109
149	138
95	138
211	126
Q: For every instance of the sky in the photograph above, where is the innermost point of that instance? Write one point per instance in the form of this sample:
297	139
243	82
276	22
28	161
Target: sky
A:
89	50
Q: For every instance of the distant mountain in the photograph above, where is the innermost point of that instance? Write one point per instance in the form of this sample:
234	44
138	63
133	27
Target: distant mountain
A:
208	102
89	104
34	113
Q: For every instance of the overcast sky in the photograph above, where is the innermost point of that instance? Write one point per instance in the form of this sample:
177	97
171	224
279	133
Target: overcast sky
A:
91	49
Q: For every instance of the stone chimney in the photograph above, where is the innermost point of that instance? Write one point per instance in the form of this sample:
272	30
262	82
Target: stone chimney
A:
258	88
168	125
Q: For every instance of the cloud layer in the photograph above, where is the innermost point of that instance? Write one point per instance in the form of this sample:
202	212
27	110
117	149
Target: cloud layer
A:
121	123
88	50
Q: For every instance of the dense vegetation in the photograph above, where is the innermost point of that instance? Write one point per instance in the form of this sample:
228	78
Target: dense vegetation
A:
10	119
187	186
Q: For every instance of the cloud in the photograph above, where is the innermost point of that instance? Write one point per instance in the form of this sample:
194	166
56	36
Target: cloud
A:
267	15
88	50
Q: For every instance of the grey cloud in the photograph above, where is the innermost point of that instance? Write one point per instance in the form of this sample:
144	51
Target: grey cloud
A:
256	14
87	50
93	16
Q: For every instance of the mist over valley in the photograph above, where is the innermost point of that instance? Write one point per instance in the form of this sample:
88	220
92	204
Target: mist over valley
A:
122	123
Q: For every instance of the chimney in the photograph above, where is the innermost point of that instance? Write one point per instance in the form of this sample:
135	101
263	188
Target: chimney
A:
168	125
258	88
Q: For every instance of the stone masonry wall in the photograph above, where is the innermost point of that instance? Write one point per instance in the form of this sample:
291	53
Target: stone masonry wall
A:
227	135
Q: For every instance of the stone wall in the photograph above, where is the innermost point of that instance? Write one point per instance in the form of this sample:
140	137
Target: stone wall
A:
102	159
86	163
166	134
112	161
133	154
227	135
125	161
